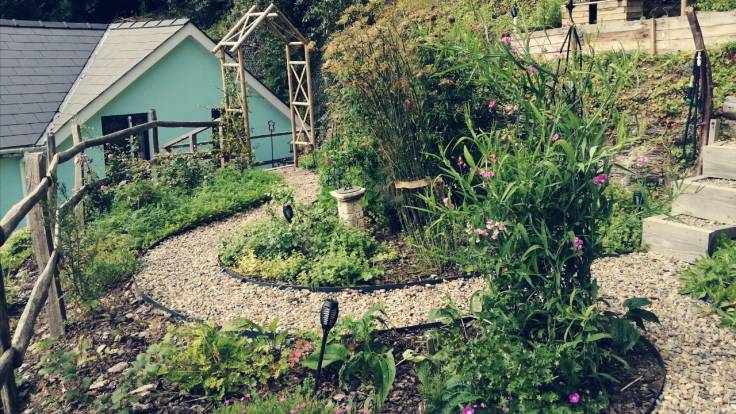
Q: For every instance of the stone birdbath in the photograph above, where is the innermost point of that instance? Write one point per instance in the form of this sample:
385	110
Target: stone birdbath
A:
349	210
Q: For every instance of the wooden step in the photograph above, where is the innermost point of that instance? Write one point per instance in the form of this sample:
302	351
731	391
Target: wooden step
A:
707	198
683	237
719	160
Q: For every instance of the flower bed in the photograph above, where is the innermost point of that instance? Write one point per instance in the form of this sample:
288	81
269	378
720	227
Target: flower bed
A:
316	252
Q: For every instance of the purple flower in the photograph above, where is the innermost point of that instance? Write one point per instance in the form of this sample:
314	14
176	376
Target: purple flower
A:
532	70
486	173
574	398
228	402
506	40
510	398
492	104
600	179
577	244
555	137
468	410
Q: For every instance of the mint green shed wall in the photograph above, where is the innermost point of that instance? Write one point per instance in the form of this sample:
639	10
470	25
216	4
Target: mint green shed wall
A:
182	86
11	183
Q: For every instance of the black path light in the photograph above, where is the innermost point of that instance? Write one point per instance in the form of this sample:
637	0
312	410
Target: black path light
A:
638	198
288	211
327	318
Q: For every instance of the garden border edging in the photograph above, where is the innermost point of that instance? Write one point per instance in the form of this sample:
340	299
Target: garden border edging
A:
334	289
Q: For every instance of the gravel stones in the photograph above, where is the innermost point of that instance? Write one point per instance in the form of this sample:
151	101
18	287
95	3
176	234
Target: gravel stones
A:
700	356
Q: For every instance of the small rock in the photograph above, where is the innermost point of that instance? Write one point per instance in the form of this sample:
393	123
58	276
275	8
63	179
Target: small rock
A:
119	367
98	384
143	390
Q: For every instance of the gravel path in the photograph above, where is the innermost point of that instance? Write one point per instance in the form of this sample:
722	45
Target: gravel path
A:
700	356
183	274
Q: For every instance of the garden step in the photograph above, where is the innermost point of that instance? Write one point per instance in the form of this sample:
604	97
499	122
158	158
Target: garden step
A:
719	160
707	198
682	236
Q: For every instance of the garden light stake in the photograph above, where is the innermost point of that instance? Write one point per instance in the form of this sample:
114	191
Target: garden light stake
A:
327	318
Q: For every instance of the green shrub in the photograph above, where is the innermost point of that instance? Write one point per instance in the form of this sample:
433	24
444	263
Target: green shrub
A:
15	251
185	171
713	279
217	362
313	250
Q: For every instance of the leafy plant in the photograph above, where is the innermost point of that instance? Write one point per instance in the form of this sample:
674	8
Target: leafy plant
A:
15	251
354	346
713	279
314	250
299	401
216	362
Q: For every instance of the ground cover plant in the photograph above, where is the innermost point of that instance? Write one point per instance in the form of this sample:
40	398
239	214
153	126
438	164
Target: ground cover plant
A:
312	250
15	251
713	279
129	217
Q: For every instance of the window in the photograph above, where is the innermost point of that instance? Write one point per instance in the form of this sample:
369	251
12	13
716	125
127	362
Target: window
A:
593	13
139	143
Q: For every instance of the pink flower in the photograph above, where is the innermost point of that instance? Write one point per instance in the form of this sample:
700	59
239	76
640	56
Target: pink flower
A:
600	179
492	104
482	405
574	398
494	236
505	409
502	227
506	40
486	173
642	161
481	232
446	201
228	402
577	244
555	137
532	70
468	410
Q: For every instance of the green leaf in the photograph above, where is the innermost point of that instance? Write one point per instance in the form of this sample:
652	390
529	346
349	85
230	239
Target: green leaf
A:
633	303
333	353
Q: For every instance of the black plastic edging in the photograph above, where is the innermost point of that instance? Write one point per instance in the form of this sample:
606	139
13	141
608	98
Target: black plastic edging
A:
660	360
334	289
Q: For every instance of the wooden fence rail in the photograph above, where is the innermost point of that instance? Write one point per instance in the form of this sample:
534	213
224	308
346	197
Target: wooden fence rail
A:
40	202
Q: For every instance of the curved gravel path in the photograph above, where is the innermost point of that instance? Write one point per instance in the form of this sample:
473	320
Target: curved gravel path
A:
700	356
183	274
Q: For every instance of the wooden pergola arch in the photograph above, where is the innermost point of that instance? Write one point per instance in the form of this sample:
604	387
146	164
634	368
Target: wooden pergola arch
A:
299	72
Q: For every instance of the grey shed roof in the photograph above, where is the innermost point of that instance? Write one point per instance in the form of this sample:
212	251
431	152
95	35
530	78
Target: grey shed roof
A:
123	47
39	63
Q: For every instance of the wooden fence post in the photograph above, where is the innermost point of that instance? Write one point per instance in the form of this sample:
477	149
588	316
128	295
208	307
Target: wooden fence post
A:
41	236
55	305
653	36
193	143
9	393
154	131
78	174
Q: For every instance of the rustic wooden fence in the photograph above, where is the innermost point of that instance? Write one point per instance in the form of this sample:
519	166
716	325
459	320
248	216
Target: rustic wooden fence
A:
662	35
43	212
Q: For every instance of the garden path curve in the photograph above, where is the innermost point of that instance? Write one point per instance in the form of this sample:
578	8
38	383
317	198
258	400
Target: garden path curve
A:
183	274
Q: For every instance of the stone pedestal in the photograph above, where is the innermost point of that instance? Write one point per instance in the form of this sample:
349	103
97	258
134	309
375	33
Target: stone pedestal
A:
349	209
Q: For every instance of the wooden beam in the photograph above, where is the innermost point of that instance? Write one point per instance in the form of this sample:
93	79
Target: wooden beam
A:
250	29
244	106
78	174
292	108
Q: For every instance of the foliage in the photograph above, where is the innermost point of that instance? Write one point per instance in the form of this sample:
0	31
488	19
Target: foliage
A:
216	362
185	171
713	279
15	251
620	231
314	250
104	252
353	345
715	5
64	366
300	401
522	201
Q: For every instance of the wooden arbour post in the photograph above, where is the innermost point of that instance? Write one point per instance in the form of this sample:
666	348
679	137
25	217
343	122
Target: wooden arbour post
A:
78	174
154	132
298	69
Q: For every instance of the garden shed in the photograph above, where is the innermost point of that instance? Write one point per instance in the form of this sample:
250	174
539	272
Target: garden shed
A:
56	75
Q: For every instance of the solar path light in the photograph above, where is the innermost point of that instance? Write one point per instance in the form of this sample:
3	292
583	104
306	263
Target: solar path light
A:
327	318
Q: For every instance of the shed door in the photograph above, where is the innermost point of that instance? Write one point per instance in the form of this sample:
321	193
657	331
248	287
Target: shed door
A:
140	144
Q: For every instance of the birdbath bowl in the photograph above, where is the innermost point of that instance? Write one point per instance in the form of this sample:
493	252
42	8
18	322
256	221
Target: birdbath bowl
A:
349	210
